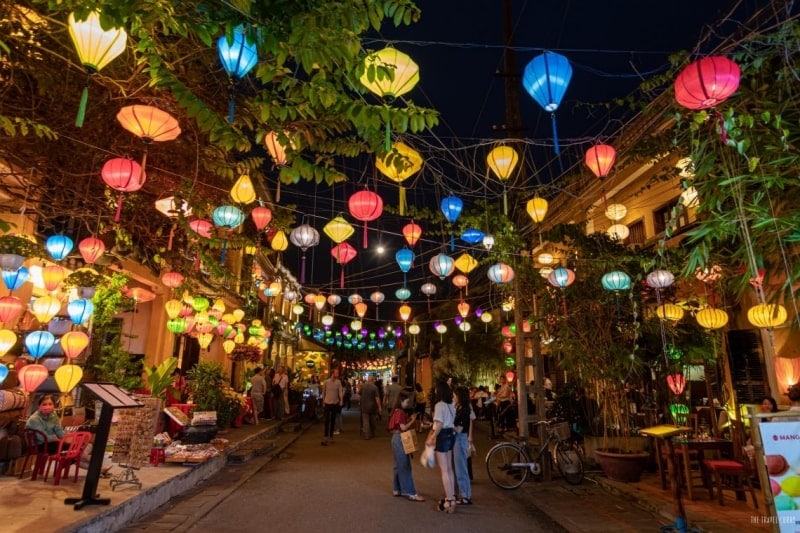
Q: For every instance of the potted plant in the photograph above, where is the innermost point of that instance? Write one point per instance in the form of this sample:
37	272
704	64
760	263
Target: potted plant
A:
86	280
15	249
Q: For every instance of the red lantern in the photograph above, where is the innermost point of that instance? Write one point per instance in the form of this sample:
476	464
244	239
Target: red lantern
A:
31	376
677	383
91	249
172	279
412	232
707	82
365	206
600	158
343	253
261	216
123	175
508	347
10	308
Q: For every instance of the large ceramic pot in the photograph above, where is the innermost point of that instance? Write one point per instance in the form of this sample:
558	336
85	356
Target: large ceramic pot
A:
622	466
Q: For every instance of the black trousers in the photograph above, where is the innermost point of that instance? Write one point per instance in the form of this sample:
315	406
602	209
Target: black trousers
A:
331	409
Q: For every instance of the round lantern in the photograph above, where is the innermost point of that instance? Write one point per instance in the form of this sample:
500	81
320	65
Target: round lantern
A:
31	376
365	206
39	343
441	265
707	82
80	310
73	343
546	78
201	227
767	315
600	158
123	175
14	279
91	248
412	233
545	258
460	281
10	308
172	280
618	232
537	209
486	317
712	318
561	277
261	216
616	281
176	325
500	273
58	246
304	237
670	312
227	216
377	297
660	278
45	307
402	294
354	298
616	212
334	300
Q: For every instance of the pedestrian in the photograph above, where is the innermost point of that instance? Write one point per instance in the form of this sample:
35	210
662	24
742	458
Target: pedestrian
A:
421	403
332	401
462	449
280	385
370	407
391	393
258	388
399	421
442	437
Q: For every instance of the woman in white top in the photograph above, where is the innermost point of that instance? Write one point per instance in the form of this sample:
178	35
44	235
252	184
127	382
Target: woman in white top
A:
442	436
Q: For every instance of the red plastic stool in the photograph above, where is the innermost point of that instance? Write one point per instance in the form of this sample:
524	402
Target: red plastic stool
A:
157	456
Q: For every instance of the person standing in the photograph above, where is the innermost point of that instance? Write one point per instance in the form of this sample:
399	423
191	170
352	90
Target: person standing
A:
461	450
46	421
420	404
332	401
399	421
442	437
392	391
279	393
503	399
370	407
258	388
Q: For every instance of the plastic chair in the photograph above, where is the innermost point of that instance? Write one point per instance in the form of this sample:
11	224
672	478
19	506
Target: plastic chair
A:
35	450
70	448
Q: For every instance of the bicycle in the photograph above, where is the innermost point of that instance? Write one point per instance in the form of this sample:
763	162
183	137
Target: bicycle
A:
509	464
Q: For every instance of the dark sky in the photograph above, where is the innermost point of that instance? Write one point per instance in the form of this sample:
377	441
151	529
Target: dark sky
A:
611	45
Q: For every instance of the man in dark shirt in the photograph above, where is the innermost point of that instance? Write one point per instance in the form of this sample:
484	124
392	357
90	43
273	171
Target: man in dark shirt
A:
370	407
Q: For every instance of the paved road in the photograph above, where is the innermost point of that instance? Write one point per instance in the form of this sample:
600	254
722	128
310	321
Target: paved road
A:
347	487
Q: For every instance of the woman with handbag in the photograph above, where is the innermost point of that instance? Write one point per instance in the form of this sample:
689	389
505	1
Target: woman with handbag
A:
399	421
442	436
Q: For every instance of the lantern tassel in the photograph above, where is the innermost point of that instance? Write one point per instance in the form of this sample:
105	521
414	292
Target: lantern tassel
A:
82	107
556	147
723	133
505	202
341	278
144	162
452	243
429	304
231	107
278	191
119	208
303	269
224	254
365	235
402	202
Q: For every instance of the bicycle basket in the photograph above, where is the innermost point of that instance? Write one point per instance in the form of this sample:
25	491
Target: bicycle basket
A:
561	430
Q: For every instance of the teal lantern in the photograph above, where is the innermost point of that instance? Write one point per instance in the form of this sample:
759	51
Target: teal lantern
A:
546	79
227	217
238	56
402	294
616	281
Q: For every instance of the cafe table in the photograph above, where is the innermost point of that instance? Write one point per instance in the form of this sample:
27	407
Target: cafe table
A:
699	445
663	434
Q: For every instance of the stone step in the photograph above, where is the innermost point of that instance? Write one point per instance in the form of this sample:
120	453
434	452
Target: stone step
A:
251	450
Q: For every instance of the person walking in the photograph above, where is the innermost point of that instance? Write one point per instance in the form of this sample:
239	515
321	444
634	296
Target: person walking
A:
258	388
399	421
332	401
442	437
461	449
370	407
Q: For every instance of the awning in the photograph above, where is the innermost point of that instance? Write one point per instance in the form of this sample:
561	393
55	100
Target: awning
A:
306	345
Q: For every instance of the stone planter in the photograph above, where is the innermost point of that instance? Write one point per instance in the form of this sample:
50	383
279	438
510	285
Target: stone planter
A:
619	466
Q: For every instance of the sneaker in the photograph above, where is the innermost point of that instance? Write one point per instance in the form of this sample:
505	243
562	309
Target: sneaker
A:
337	432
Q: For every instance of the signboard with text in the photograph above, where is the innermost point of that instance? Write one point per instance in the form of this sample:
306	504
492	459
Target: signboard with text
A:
781	441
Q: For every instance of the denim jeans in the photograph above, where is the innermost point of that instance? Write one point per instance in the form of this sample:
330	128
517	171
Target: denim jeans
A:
460	456
402	481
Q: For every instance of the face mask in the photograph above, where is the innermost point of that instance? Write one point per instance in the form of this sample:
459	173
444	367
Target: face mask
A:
46	410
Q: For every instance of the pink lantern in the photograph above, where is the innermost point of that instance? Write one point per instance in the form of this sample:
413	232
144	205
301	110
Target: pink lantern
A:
91	248
600	158
31	376
201	227
343	253
172	279
677	383
707	82
365	206
123	175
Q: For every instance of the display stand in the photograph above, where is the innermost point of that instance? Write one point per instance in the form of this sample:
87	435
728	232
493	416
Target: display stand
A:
112	397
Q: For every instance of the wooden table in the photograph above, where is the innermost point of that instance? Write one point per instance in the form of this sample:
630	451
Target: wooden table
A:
699	445
663	434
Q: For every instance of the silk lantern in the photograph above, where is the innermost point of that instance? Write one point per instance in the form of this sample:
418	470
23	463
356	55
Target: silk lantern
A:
502	161
600	158
261	216
472	236
537	209
441	265
428	289
238	55
10	308
707	82
304	237
150	124
123	175
546	78
676	383
39	343
3	373
451	207
45	308
343	253
14	279
91	248
58	246
660	278
412	233
500	273
31	376
616	212
711	318
80	310
243	191
561	277
398	165
73	343
67	377
7	341
618	232
377	298
338	229
169	208
365	206
405	260
405	312
96	48
227	217
767	315
403	293
52	276
669	312
465	263
172	280
616	281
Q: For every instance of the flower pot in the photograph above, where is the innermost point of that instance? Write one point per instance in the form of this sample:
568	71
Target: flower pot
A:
622	466
87	292
11	262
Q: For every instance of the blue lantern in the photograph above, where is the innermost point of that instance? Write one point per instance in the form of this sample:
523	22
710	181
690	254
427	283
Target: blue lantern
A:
14	279
546	79
238	57
451	207
80	310
472	236
616	281
229	217
58	246
402	294
405	259
39	343
3	373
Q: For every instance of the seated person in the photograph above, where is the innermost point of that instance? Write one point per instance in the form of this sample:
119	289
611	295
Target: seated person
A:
46	421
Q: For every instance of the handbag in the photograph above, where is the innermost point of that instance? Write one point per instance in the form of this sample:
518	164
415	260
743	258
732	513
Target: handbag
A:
409	438
428	458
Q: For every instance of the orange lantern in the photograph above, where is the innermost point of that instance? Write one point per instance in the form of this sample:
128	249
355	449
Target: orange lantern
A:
10	308
91	248
31	376
405	312
150	124
600	158
361	309
261	216
536	208
463	309
787	371
140	295
412	233
73	343
52	276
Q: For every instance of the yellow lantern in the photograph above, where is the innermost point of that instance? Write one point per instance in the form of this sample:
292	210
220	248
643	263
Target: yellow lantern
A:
398	165
67	377
228	346
45	307
96	48
338	229
319	301
536	208
173	308
204	340
465	263
405	312
767	315
669	312
7	341
73	343
219	306
279	241
238	314
712	318
52	276
414	329
502	160
243	191
361	309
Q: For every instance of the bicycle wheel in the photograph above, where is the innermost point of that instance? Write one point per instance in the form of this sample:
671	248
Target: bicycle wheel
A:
507	465
569	463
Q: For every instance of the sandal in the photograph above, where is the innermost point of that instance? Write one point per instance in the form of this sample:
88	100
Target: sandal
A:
416	498
464	501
